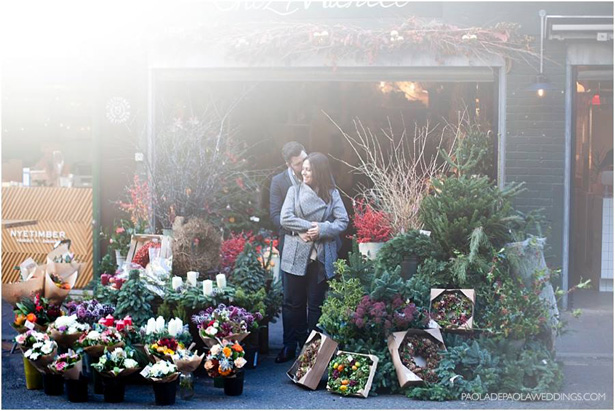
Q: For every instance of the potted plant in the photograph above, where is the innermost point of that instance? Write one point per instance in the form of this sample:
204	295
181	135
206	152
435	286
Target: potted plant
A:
225	359
114	366
408	250
69	366
164	376
65	330
119	240
25	341
40	355
232	323
373	228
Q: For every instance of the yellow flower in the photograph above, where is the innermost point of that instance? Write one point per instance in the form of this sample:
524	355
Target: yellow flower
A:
343	388
227	352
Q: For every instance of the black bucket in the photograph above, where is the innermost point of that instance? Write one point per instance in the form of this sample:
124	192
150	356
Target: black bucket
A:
53	384
77	390
234	385
114	389
165	392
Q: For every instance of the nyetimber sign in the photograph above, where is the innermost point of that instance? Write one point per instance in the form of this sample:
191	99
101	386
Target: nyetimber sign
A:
32	236
286	8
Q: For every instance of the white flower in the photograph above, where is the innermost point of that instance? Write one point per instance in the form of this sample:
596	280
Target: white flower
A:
65	321
93	335
215	349
240	362
211	330
394	33
255	219
130	363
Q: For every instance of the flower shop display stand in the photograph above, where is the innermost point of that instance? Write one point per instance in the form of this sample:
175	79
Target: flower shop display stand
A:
372	372
139	240
312	377
406	377
468	293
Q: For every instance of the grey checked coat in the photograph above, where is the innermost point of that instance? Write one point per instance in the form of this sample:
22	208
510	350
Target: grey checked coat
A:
298	212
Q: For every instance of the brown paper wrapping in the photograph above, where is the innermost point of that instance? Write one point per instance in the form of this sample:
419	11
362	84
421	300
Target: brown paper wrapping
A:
64	340
67	272
154	358
469	293
96	351
406	377
13	293
37	327
188	366
73	373
58	252
372	372
43	361
210	342
168	378
312	378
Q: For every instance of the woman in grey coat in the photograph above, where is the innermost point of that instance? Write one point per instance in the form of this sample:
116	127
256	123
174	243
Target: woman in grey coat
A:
315	216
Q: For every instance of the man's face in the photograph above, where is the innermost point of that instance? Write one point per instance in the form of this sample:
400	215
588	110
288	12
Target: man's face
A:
296	163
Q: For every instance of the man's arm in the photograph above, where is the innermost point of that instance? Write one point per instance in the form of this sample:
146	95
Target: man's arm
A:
276	199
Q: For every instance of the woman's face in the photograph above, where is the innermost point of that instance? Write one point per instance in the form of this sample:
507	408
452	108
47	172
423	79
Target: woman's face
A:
306	172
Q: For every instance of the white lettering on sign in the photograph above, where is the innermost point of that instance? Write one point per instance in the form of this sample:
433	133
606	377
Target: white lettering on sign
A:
286	8
29	236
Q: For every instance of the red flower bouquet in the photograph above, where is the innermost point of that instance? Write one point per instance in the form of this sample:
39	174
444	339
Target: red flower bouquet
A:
372	226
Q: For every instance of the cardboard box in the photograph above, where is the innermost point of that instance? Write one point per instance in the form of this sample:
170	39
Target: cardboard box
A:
406	377
468	293
138	240
372	372
325	351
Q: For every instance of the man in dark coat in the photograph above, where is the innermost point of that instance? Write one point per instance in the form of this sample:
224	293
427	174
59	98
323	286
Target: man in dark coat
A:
293	154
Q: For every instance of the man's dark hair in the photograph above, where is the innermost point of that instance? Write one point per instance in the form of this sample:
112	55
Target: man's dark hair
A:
291	149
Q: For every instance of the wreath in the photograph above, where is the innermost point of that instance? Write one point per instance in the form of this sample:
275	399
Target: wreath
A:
451	309
420	346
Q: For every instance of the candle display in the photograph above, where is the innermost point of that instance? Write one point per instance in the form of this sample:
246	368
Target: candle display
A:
176	282
208	287
192	276
221	280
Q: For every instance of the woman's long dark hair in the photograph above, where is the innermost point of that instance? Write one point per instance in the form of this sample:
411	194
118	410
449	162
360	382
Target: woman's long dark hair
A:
321	175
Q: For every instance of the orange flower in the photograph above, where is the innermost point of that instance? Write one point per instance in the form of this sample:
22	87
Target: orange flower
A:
224	373
227	352
31	317
20	319
237	347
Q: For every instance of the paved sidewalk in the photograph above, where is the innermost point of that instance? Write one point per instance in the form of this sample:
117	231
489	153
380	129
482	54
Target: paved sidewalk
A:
586	352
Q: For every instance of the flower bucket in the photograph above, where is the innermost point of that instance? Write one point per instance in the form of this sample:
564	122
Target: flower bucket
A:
263	339
219	382
114	389
97	379
77	390
165	392
53	384
233	386
370	250
34	380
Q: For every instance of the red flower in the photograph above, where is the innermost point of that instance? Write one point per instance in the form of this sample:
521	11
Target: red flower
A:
371	225
119	230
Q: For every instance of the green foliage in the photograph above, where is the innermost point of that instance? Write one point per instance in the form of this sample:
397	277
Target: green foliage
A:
343	297
106	265
462	204
105	295
134	300
248	272
473	155
418	289
386	285
411	243
534	371
359	266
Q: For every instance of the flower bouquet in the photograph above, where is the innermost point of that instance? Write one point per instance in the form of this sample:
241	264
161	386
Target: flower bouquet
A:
352	373
26	340
231	323
34	313
416	354
163	349
89	311
452	309
187	362
312	362
41	354
96	342
70	366
225	359
164	376
66	330
113	366
59	279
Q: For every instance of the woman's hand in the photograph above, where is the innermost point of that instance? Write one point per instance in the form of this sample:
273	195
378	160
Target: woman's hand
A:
313	232
305	237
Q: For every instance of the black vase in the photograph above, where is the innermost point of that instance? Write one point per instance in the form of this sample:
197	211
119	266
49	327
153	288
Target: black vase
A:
97	379
234	385
77	390
263	339
252	349
165	392
53	384
409	267
114	389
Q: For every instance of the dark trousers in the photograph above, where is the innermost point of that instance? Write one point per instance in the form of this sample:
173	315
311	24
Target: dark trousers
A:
303	298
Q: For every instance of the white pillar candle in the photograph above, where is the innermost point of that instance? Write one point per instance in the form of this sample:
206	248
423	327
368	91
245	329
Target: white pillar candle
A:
208	287
192	276
176	282
221	280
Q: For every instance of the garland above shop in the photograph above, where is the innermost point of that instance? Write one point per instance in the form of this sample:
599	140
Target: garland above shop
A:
262	42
